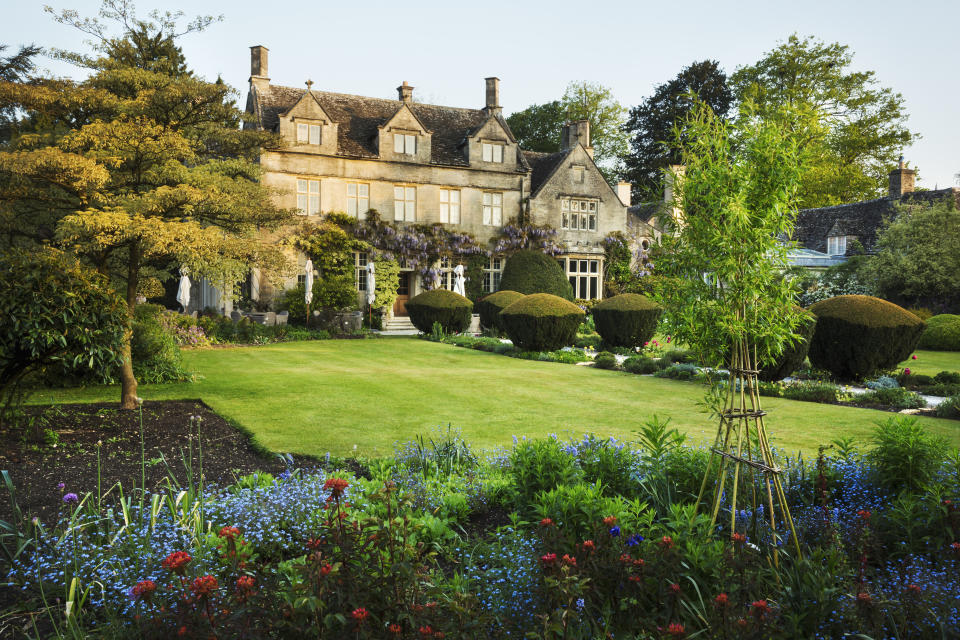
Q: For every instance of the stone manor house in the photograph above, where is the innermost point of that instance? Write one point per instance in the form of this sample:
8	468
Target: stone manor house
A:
423	163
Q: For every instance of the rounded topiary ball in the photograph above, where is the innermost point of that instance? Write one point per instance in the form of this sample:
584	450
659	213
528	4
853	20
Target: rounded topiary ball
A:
529	271
489	307
541	322
793	354
450	309
942	333
857	336
627	320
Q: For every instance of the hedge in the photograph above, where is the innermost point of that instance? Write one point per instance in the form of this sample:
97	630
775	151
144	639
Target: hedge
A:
450	309
793	354
541	322
857	336
942	333
489	307
529	271
627	320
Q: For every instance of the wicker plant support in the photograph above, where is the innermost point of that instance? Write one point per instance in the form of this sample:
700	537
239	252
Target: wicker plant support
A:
742	453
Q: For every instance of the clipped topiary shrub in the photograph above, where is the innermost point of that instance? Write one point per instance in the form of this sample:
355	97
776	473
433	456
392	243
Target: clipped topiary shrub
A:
942	333
605	360
857	336
793	354
627	320
640	364
541	322
529	271
489	307
450	309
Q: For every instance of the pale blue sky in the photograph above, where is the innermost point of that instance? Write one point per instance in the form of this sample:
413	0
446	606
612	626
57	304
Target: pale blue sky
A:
445	49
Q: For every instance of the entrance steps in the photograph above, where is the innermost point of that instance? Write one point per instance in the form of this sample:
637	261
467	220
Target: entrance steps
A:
399	326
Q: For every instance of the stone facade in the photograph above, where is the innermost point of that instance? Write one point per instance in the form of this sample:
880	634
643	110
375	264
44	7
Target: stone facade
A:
420	163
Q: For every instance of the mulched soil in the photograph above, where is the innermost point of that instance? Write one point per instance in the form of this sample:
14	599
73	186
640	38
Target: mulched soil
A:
83	428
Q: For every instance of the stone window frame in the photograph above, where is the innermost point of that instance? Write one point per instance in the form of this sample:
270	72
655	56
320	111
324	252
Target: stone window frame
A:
492	152
409	204
308	196
448	207
837	245
407	143
355	206
492	272
587	280
585	212
578	171
309	129
491	209
360	259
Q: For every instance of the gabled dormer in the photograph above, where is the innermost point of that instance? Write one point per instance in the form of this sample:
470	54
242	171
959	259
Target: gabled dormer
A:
492	145
306	126
403	137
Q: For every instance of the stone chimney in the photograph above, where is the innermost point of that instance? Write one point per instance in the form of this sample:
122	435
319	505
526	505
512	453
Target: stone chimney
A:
405	93
493	95
901	180
623	192
574	133
259	76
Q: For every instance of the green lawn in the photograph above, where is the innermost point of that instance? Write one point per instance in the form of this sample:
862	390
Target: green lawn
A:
933	362
341	395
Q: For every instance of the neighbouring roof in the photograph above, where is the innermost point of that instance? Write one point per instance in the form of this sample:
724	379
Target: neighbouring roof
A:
543	166
800	257
359	117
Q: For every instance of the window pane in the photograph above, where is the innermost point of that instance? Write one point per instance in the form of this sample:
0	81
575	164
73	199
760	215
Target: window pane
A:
352	206
314	186
565	220
302	203
593	222
593	288
593	206
573	283
314	134
564	205
486	282
398	143
593	265
455	213
497	215
411	193
398	193
351	188
302	132
398	210
411	144
444	195
454	196
411	211
364	190
314	204
301	186
498	199
574	221
583	221
583	287
444	212
487	214
496	264
498	153
487	198
583	266
487	152
363	205
496	280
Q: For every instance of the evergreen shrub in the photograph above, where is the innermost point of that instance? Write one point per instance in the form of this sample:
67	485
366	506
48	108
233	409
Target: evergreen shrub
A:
640	364
793	355
528	271
450	309
489	307
156	356
942	333
541	322
627	320
605	360
857	336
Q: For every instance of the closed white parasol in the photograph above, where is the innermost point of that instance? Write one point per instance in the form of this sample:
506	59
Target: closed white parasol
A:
459	282
371	283
183	291
308	284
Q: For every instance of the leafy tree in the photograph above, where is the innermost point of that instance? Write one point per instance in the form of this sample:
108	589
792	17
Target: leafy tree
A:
651	123
858	128
918	257
137	165
537	128
15	68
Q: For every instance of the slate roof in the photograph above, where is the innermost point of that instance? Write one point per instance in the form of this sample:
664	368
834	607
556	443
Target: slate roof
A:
543	165
860	219
359	118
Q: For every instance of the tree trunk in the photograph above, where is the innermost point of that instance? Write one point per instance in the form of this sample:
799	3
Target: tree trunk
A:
128	383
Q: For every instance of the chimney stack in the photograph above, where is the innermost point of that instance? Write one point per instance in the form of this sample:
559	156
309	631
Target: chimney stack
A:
259	77
623	192
577	132
493	95
901	180
405	93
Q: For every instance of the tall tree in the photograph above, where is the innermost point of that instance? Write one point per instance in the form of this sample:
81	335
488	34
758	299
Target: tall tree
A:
139	163
651	123
14	68
861	125
537	128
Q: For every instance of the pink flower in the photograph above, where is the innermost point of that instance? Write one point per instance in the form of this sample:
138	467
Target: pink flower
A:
914	357
906	371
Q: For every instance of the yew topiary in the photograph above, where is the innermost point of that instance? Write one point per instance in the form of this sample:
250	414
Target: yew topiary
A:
857	336
541	322
942	333
793	354
529	271
450	309
627	320
489	307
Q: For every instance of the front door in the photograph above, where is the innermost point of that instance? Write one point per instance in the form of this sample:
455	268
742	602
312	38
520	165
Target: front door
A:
403	294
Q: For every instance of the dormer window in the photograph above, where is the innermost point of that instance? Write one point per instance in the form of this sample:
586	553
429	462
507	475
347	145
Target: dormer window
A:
837	245
405	144
578	215
492	152
308	133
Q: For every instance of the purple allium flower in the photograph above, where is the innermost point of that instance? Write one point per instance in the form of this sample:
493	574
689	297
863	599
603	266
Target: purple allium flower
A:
71	498
61	486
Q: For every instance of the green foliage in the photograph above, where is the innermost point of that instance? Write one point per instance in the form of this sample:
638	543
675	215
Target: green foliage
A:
605	360
537	128
528	271
905	456
627	320
156	356
942	333
848	278
540	465
793	354
541	322
949	408
490	306
857	336
450	309
679	372
55	313
804	391
896	398
947	377
640	364
853	128
611	465
617	273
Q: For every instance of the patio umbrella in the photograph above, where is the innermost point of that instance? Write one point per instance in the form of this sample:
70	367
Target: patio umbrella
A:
308	284
183	291
371	283
459	280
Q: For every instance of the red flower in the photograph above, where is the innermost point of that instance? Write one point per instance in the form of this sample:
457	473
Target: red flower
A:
395	628
912	588
634	578
359	614
639	563
675	630
722	600
176	562
759	608
336	486
738	538
864	514
325	570
144	590
182	631
570	560
626	558
229	533
675	588
914	357
245	583
665	543
864	598
426	630
610	521
439	634
548	559
203	586
546	522
588	544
